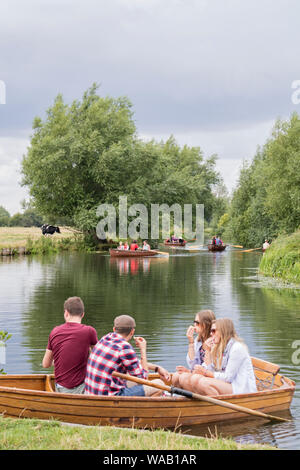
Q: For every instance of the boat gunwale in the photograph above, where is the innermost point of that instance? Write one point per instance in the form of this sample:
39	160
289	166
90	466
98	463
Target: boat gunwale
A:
129	253
286	387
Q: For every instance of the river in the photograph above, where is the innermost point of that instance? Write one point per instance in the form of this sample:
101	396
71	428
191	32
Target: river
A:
163	294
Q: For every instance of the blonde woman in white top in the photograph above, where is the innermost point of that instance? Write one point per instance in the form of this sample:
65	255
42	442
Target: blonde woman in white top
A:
227	368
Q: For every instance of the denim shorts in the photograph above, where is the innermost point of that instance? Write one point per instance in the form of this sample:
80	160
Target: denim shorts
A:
135	391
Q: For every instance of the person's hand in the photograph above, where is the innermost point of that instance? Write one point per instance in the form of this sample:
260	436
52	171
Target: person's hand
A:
164	374
190	334
199	370
208	344
141	343
181	369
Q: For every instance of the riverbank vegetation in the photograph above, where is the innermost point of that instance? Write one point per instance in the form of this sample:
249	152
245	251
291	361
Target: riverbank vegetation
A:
29	240
282	259
51	435
266	202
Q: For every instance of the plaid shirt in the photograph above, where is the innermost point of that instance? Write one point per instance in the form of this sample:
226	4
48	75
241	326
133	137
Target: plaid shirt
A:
111	353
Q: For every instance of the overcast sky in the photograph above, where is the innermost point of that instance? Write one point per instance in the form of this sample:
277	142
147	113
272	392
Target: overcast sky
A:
215	74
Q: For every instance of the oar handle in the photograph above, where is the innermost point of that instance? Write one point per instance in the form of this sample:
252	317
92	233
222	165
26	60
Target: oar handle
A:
131	378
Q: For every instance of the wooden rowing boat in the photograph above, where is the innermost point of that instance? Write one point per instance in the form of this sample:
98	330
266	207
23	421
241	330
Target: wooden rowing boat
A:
131	253
216	247
32	396
168	243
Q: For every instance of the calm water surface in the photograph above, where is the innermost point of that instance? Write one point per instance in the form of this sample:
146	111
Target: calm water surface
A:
163	294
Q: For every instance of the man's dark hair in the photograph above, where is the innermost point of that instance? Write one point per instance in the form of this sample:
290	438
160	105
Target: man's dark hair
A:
123	331
74	306
124	324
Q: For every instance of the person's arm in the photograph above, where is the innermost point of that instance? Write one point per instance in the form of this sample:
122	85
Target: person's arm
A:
237	356
160	370
129	359
48	359
142	345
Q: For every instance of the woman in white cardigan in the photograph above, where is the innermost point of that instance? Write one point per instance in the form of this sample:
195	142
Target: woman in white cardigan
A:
227	367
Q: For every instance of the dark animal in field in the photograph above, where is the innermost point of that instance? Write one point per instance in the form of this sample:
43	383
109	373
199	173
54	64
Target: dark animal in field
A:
49	229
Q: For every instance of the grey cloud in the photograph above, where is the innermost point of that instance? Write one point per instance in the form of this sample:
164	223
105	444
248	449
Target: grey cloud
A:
182	64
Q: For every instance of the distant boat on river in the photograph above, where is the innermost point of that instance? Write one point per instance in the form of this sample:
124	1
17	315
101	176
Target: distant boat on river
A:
216	247
132	253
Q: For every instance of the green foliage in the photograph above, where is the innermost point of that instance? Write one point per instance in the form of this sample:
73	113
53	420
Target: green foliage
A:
267	199
4	217
47	245
282	259
4	337
28	218
93	155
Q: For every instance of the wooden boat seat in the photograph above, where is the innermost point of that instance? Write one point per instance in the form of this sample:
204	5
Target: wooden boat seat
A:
265	373
48	384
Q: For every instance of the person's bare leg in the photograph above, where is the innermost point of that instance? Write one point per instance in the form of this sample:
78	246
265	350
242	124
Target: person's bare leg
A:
185	381
175	379
149	391
209	386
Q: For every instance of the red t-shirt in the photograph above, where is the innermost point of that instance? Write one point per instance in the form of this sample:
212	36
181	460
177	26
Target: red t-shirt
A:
70	345
134	246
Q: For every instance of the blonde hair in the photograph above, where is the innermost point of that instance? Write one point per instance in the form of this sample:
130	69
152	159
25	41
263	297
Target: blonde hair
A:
227	331
206	319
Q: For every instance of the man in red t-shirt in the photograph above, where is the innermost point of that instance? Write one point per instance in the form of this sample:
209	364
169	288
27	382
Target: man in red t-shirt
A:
134	246
68	348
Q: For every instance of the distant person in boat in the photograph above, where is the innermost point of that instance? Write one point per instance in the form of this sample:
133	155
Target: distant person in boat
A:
266	245
213	241
68	348
126	247
146	246
134	246
197	347
227	367
114	353
219	241
121	246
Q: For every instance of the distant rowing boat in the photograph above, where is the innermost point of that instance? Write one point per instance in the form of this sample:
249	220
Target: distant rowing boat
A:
179	243
32	396
216	247
131	253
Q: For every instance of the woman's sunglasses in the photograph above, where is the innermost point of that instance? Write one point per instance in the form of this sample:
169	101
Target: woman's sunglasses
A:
196	322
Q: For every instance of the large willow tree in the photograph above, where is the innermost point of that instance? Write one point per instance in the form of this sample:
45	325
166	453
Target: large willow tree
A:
88	153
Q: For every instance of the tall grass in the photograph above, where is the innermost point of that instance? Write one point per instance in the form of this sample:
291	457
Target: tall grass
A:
282	259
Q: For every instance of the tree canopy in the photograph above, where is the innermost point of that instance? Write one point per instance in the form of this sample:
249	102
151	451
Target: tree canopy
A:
267	199
88	153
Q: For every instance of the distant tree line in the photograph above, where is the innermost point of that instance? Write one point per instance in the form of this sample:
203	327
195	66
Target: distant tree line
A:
28	218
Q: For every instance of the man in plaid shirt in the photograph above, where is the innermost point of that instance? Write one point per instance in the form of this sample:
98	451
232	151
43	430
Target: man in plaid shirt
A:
114	353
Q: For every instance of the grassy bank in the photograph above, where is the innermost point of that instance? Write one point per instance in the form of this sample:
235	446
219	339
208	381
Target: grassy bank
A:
26	434
282	259
29	240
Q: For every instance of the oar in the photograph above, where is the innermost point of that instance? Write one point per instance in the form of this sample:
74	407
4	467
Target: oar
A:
196	396
164	253
236	246
251	249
